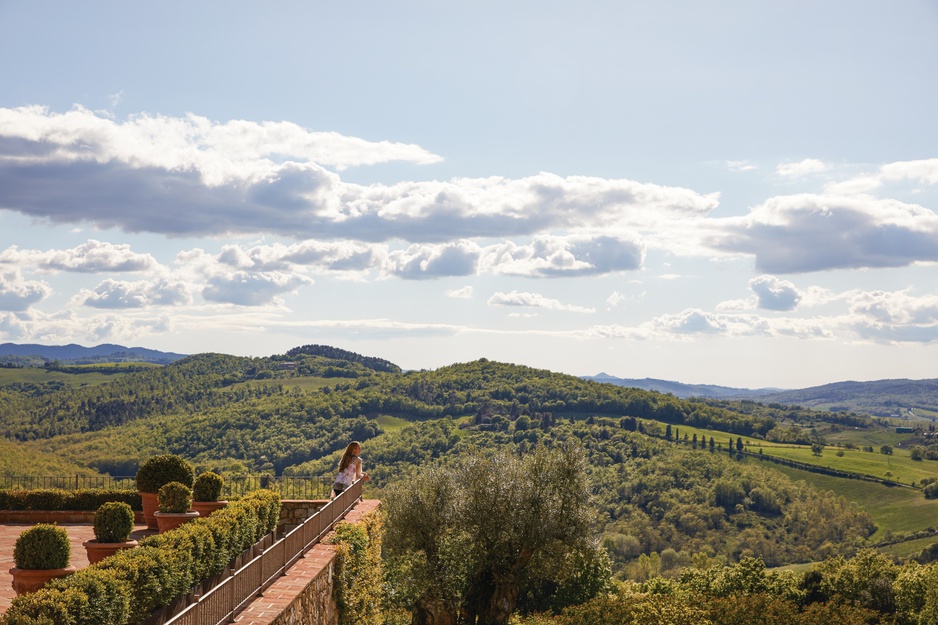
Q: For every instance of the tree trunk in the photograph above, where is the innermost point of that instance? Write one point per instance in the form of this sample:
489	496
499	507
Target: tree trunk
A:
489	603
430	611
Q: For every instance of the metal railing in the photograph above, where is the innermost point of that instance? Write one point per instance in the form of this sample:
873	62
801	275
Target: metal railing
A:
233	594
67	482
287	486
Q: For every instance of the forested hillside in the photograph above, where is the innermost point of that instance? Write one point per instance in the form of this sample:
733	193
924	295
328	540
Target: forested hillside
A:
659	506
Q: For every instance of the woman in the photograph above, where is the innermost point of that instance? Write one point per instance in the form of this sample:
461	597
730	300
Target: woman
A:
350	469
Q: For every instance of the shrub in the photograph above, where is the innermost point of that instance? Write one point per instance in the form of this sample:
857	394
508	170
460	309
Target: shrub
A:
128	586
153	577
174	497
42	546
357	584
931	491
207	487
107	598
58	499
113	522
158	471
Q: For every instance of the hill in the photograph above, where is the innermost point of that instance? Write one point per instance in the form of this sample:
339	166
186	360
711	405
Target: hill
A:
679	389
901	398
35	355
293	413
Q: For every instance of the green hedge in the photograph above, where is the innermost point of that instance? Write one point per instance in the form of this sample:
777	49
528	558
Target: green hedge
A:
89	499
135	582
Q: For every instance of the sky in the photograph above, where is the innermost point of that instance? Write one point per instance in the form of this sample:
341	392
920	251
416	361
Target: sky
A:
742	193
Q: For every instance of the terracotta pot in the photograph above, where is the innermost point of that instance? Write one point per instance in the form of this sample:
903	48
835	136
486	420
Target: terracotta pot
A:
98	551
31	580
150	505
205	508
171	520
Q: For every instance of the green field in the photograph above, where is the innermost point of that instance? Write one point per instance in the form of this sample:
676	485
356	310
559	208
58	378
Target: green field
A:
94	377
899	464
893	508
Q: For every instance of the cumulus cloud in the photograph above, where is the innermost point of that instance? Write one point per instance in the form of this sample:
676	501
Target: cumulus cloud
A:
922	171
555	256
895	308
69	327
534	300
434	261
251	288
802	168
190	176
17	294
775	294
806	232
90	257
140	294
230	277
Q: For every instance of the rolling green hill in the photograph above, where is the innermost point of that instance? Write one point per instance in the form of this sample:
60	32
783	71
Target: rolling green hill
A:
294	413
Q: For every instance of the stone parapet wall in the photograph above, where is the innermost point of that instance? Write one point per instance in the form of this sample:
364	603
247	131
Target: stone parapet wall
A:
294	511
315	603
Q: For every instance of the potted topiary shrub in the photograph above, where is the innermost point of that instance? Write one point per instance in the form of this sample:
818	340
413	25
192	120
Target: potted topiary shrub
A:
156	472
113	523
174	501
40	554
205	493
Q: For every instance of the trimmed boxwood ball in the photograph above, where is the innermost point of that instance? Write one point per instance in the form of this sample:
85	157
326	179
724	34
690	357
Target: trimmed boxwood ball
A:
158	471
174	497
207	487
43	546
113	522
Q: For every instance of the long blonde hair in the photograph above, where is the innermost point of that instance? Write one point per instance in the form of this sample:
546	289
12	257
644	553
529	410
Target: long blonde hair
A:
348	455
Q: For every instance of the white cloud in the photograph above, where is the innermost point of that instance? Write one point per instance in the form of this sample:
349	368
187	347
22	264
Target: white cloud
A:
923	171
434	261
90	257
555	256
775	294
18	295
252	288
800	169
740	166
190	176
140	294
466	292
237	150
803	233
895	308
534	300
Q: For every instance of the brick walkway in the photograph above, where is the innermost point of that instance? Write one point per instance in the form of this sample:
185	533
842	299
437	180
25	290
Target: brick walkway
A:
77	534
282	592
260	612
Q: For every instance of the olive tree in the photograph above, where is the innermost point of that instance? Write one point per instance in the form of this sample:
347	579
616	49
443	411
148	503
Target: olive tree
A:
463	540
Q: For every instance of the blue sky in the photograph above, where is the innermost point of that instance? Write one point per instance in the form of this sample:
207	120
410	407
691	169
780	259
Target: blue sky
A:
736	193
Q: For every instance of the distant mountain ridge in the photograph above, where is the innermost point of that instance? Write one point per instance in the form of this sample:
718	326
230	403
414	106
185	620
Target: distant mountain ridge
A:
106	352
880	398
683	391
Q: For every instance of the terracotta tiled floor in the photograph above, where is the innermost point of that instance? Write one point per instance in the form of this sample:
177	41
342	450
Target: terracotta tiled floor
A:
77	534
260	612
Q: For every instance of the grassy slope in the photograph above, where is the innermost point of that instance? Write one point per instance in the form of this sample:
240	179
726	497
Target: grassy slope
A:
899	464
894	509
35	375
